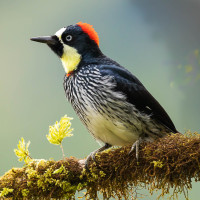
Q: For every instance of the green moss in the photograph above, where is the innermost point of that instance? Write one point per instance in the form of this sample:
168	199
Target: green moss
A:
158	164
168	164
31	173
5	192
60	170
25	192
102	174
80	186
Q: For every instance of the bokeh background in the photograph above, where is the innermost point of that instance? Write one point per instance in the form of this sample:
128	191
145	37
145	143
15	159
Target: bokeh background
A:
158	41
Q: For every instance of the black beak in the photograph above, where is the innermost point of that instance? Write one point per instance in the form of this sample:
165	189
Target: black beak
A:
46	39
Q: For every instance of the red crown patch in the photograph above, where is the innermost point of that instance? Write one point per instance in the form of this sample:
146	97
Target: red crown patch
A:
88	29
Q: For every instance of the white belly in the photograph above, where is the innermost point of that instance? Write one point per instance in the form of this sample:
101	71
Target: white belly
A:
111	131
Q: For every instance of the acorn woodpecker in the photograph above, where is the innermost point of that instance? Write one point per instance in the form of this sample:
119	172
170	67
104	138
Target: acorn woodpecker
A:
110	101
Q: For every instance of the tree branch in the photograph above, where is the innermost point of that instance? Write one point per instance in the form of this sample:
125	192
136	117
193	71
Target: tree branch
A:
170	162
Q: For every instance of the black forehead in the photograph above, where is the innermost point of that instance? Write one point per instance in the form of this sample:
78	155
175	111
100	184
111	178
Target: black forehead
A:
73	29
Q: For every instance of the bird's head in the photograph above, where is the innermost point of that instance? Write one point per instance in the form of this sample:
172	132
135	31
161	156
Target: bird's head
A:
73	44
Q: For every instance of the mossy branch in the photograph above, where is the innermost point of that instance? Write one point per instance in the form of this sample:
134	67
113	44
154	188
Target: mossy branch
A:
170	162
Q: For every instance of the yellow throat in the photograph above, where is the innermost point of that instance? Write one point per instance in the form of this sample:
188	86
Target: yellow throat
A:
70	58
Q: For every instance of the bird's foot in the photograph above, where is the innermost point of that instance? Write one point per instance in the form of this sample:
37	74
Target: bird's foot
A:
135	147
90	156
93	154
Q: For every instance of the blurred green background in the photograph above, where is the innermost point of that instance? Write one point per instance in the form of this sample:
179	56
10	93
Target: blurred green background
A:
158	41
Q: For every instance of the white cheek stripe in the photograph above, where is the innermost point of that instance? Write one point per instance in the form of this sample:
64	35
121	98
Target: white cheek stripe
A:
59	34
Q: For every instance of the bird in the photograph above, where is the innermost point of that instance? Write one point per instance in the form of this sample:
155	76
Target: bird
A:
111	102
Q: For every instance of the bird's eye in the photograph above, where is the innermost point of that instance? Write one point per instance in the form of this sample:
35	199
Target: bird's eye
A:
68	38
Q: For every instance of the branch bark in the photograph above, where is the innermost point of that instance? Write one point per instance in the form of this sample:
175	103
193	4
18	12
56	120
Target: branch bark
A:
170	162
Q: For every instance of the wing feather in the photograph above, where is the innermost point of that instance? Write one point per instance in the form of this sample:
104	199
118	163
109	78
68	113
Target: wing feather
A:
137	94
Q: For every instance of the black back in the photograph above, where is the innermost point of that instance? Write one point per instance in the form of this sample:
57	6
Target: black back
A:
136	93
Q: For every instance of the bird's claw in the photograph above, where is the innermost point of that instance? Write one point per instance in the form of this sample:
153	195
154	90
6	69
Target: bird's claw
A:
90	156
93	157
135	147
86	166
93	154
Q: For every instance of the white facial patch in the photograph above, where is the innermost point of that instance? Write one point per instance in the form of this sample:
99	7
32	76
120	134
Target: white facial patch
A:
70	58
59	33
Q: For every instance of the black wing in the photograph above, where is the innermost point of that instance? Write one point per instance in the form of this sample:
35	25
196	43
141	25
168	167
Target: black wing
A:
137	94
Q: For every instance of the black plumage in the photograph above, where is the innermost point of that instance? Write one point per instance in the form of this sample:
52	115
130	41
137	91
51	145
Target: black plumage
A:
137	94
